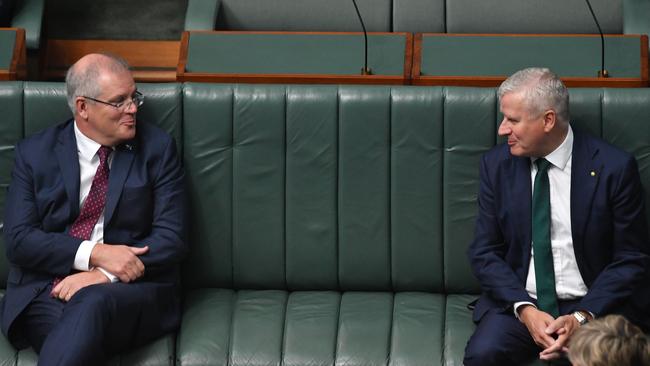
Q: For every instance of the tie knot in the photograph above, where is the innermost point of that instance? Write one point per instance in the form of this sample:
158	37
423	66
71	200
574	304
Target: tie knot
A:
542	164
104	152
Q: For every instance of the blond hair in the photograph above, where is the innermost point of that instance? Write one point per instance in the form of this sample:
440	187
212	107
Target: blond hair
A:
609	341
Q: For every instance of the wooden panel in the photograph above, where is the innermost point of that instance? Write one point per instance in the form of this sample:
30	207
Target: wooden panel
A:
17	69
150	61
294	78
492	80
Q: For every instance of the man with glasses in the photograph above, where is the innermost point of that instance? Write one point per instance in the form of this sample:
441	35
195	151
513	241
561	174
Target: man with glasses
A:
94	226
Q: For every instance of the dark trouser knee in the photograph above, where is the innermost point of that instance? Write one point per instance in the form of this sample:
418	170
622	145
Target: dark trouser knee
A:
500	339
480	353
78	337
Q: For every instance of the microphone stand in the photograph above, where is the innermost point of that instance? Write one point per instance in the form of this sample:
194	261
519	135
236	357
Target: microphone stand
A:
602	73
365	70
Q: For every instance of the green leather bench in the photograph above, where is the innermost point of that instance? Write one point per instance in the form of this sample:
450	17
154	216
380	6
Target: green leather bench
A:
329	224
416	16
429	16
435	16
28	14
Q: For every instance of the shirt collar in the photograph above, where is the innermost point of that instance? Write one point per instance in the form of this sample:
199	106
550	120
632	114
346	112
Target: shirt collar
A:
560	156
86	147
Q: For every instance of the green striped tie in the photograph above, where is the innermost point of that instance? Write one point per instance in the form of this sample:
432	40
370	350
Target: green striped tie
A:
544	273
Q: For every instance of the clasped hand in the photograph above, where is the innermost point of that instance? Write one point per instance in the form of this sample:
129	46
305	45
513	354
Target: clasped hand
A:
67	287
120	260
550	334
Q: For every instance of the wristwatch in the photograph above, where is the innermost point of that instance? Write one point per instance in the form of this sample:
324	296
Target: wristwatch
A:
580	318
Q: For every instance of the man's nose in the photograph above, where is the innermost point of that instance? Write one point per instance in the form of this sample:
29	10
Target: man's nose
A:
131	107
504	128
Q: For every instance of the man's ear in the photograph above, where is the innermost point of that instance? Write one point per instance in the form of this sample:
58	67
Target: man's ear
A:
550	119
81	107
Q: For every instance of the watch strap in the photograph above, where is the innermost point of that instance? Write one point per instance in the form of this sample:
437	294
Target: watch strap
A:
580	317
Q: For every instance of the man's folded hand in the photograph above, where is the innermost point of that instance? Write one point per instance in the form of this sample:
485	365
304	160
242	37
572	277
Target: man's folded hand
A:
120	260
564	326
67	287
537	322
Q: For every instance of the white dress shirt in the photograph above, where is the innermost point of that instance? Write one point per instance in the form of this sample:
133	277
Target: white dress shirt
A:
568	281
88	163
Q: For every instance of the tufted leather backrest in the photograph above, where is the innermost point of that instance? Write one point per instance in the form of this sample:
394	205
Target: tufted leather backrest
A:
327	187
353	187
310	187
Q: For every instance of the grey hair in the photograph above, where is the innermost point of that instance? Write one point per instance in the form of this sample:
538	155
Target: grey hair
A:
542	90
82	81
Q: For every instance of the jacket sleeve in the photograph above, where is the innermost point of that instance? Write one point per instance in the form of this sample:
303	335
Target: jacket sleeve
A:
167	239
27	244
626	268
488	250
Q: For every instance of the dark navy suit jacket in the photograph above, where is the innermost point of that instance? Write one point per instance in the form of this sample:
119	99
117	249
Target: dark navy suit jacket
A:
144	206
608	223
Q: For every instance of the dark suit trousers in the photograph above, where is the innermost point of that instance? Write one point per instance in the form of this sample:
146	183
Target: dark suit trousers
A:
99	321
501	340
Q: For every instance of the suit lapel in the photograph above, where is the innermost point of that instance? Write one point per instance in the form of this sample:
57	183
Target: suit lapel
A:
68	159
124	155
585	174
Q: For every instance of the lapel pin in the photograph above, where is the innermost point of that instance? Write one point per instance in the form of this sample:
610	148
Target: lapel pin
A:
593	173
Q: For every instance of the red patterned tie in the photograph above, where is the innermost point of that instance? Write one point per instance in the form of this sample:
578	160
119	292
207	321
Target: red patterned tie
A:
94	204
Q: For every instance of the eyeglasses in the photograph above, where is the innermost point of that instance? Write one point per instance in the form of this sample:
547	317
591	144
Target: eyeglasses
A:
137	99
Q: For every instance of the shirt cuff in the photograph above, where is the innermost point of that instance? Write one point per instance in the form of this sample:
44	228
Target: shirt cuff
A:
110	276
82	258
520	303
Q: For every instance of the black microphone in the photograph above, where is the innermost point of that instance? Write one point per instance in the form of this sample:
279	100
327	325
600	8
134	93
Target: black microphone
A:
602	73
365	70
